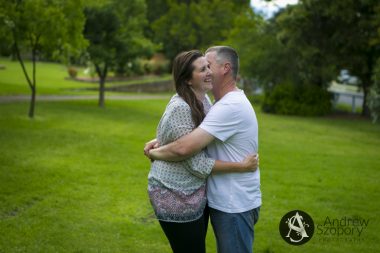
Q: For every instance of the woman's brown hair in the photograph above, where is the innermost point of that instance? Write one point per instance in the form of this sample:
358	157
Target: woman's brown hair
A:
182	72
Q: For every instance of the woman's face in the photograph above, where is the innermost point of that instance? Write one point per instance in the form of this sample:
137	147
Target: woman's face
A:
201	80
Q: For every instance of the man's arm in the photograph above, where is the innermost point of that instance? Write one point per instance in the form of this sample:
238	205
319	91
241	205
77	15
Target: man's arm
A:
182	148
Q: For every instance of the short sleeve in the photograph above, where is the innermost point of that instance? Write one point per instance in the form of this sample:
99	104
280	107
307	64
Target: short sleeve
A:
222	121
180	123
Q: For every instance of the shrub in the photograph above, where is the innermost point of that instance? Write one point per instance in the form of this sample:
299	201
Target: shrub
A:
289	99
135	68
72	72
160	68
256	99
157	65
373	103
373	100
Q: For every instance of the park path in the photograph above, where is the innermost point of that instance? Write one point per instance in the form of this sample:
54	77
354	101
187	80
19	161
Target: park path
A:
22	98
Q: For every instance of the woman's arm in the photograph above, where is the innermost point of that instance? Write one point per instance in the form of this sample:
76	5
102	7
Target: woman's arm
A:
249	164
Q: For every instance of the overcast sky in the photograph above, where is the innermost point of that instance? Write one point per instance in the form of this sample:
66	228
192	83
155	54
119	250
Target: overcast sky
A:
270	8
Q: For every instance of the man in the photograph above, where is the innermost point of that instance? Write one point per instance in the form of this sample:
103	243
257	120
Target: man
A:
230	133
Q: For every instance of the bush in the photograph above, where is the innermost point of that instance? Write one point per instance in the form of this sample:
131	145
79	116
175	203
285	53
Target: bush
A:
72	72
373	100
137	67
289	99
157	65
256	99
373	103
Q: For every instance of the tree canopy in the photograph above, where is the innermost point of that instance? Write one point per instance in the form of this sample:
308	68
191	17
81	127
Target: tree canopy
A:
330	36
306	44
195	24
310	43
42	28
115	34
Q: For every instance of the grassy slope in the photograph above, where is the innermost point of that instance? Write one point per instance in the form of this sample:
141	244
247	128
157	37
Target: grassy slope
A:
74	179
51	80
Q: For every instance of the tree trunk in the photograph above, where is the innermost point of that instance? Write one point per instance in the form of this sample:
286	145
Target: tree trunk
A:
101	92
33	86
32	102
102	74
367	78
365	108
31	83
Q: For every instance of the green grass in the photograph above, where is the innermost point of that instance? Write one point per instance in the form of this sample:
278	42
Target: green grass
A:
74	179
52	79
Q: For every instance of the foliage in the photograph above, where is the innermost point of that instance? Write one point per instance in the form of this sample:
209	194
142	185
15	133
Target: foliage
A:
195	24
155	9
309	43
374	95
306	34
157	65
247	23
42	27
72	72
115	33
289	99
329	36
5	36
269	57
262	56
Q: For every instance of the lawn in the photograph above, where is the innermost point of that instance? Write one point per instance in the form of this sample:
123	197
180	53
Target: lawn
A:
74	178
52	78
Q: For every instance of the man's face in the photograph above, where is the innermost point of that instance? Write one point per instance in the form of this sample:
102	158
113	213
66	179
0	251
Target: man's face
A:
216	70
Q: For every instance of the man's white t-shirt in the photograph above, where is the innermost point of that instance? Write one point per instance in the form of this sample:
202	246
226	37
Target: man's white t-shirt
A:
232	121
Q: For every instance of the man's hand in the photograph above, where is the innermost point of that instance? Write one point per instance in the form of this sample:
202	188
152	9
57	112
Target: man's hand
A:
251	162
150	145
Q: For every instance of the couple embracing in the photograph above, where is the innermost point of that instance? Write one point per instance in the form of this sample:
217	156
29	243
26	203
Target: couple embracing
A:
204	158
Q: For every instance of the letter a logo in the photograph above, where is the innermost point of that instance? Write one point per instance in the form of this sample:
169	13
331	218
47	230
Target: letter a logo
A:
296	227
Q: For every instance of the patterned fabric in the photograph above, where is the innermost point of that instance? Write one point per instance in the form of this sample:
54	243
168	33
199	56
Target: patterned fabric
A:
177	189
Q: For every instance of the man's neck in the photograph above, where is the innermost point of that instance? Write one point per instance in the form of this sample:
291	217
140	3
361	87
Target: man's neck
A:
226	88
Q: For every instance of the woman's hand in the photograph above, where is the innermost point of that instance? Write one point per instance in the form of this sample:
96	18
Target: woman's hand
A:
251	162
150	145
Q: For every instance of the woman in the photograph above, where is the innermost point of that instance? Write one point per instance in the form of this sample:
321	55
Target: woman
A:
177	189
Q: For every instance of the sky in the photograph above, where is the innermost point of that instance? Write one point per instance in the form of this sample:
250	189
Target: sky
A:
269	8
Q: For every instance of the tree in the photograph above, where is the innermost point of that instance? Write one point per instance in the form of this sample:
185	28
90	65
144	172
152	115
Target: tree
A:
334	35
39	27
290	86
115	33
195	24
374	94
155	9
261	54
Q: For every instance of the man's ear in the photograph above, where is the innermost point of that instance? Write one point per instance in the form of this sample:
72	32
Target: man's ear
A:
226	68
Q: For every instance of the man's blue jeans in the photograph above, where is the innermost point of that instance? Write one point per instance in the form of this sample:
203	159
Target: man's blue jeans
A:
234	232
